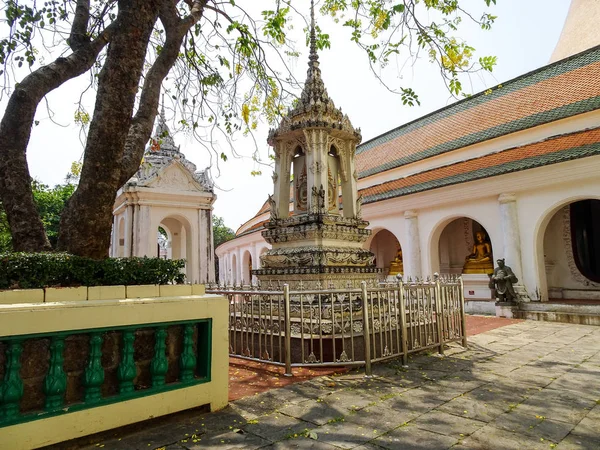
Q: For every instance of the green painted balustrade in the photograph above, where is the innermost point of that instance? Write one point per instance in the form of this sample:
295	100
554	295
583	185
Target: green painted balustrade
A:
63	388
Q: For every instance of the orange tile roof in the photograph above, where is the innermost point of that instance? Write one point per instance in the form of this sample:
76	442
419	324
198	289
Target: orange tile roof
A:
557	149
562	89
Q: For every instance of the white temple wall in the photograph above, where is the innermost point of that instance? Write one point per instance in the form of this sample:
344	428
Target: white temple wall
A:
536	209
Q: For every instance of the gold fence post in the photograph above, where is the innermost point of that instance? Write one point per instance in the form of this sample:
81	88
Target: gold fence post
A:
439	313
288	331
462	312
366	330
403	326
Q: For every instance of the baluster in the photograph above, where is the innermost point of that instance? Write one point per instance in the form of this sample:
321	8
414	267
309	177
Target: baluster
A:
187	360
55	383
12	387
159	364
127	371
94	373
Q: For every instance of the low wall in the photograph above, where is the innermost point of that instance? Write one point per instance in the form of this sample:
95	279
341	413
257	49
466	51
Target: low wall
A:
81	366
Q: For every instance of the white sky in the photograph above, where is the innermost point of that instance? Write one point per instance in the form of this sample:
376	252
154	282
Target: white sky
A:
522	38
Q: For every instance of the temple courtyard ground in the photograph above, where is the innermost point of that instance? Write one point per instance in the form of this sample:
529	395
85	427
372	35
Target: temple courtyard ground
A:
525	385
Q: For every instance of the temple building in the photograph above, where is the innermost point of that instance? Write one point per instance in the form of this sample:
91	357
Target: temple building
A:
508	173
165	209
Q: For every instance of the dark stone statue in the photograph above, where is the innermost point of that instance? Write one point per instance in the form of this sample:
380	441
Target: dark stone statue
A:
502	281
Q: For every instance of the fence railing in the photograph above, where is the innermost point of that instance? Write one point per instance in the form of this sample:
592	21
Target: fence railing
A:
344	327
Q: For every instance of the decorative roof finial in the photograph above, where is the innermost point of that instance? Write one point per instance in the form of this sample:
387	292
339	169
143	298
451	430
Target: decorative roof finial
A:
162	134
314	57
162	109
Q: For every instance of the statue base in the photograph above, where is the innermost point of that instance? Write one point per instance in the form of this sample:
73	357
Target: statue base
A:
506	309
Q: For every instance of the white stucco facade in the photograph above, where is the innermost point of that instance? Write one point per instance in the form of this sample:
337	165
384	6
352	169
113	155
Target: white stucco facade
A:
170	199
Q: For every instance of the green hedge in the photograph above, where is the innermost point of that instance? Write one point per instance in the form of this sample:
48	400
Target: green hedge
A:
37	270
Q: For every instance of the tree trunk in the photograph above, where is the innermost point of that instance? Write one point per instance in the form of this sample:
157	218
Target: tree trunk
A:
86	221
142	123
26	227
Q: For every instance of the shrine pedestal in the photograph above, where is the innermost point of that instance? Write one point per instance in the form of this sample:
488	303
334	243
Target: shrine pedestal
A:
476	287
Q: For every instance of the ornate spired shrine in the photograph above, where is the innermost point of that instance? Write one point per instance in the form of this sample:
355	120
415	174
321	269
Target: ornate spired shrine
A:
320	237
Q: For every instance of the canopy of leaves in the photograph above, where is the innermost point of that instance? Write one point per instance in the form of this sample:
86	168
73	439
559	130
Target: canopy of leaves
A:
221	233
233	67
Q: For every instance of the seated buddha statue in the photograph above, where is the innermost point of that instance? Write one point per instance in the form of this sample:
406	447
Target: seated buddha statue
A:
397	266
480	260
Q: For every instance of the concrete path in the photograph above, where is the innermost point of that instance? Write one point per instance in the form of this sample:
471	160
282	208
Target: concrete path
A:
527	386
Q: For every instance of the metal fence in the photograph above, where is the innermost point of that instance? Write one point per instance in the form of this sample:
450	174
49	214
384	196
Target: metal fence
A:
344	327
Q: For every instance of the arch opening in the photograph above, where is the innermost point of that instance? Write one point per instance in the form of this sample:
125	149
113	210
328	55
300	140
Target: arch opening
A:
247	268
388	253
174	241
571	252
464	247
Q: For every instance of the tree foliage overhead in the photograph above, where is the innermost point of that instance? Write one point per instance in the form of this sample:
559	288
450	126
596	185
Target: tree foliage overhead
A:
221	232
223	63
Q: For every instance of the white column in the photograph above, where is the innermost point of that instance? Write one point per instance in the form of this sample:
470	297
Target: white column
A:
512	241
128	250
281	180
114	239
510	232
349	185
204	259
412	255
146	236
222	269
240	264
254	261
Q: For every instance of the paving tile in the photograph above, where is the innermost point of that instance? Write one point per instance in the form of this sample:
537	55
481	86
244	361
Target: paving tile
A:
531	375
418	399
382	418
585	436
491	438
301	443
584	384
534	425
447	424
565	406
344	434
411	437
317	412
349	400
472	409
225	441
276	426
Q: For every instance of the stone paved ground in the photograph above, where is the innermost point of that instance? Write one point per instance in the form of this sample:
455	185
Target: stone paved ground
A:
530	385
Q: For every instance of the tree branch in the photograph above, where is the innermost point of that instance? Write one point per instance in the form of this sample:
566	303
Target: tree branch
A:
143	121
79	36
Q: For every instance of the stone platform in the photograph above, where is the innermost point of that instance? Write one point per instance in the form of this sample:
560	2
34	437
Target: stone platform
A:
530	385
